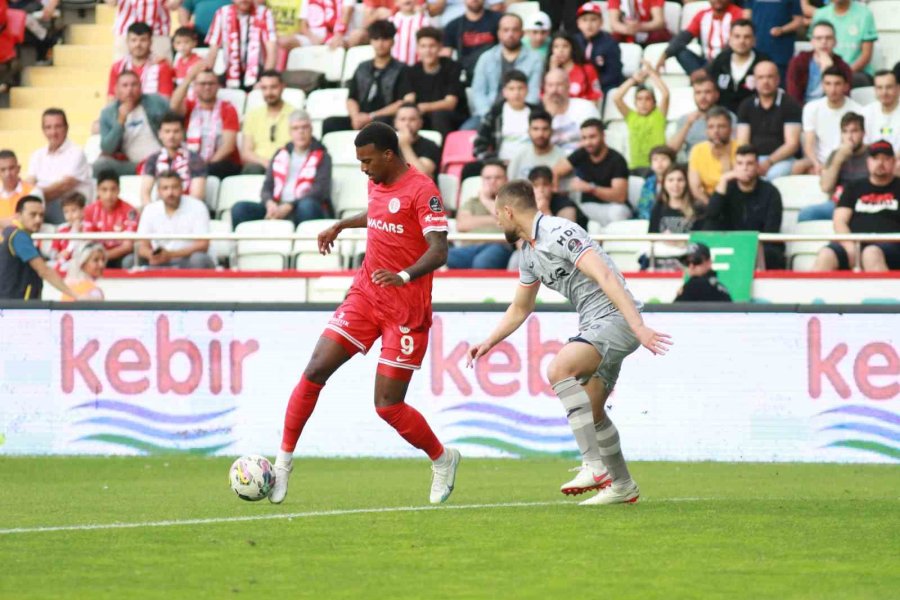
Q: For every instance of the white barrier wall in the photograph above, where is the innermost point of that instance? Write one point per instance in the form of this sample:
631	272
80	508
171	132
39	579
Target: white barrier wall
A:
760	387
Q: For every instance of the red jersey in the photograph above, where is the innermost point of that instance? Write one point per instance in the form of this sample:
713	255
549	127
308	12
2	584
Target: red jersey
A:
712	30
156	77
399	217
183	64
639	10
584	82
123	217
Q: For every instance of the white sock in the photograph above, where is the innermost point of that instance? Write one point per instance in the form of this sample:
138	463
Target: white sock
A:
443	459
284	458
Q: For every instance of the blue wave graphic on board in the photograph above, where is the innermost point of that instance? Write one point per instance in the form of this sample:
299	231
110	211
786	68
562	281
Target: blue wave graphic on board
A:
884	427
498	425
167	430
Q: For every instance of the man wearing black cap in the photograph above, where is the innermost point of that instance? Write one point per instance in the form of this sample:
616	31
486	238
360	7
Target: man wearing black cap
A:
704	284
869	205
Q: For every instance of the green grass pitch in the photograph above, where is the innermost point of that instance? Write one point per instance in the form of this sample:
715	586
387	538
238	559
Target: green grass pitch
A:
701	530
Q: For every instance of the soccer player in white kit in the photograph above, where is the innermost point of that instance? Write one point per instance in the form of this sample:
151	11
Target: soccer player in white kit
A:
560	254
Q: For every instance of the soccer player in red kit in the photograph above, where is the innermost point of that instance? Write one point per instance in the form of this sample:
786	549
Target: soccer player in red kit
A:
390	298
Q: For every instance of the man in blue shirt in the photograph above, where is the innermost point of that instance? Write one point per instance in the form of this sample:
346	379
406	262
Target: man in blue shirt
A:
775	22
22	268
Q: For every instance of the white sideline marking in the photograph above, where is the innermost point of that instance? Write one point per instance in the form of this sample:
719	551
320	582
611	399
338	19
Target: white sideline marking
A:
306	515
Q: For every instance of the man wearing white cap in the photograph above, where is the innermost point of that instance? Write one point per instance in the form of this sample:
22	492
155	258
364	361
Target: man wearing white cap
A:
537	30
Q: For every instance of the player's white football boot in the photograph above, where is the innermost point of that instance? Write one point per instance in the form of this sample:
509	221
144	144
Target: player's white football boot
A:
627	493
443	477
282	474
585	481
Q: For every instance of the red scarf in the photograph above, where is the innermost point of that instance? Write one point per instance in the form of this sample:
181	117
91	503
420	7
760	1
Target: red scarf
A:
281	165
208	121
256	24
149	73
180	163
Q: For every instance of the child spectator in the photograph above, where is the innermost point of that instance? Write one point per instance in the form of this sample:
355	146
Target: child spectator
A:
155	72
408	21
647	122
566	55
109	213
184	42
537	30
661	158
62	251
599	47
87	269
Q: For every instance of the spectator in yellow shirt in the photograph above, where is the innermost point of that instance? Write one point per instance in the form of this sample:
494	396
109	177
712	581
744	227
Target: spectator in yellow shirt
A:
708	160
12	187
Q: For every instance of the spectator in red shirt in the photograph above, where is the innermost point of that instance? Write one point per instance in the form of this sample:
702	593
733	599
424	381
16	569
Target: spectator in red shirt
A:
7	50
565	54
212	124
62	251
184	41
712	27
155	72
109	213
638	21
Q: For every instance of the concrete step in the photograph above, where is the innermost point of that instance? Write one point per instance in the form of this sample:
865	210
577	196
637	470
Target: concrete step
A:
105	15
77	55
67	77
90	35
21	118
75	99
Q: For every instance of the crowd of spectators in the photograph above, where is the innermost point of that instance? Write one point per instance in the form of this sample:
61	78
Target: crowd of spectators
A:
531	89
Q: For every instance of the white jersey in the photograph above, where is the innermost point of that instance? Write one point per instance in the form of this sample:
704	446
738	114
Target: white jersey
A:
408	26
552	258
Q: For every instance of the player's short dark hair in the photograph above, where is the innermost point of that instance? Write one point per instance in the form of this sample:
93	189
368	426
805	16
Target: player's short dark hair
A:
747	149
381	135
744	23
540	115
540	172
514	75
140	28
718	112
432	33
493	162
5	154
188	32
852	117
169	174
595	123
20	205
55	112
518	193
272	73
171	117
835	71
107	175
76	198
381	30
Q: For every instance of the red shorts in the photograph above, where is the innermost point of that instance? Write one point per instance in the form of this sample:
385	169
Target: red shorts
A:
356	326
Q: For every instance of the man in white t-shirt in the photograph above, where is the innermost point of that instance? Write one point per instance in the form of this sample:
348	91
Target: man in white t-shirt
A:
568	113
822	122
883	116
59	168
541	151
173	213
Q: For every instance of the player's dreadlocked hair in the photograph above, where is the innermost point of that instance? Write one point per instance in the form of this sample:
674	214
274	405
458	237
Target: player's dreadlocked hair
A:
519	194
381	135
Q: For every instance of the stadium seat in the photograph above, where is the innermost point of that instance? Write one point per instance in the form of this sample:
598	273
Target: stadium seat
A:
237	98
797	192
322	104
220	250
617	136
672	15
863	95
45	246
130	189
470	188
434	136
887	15
292	96
306	253
625	254
681	102
237	188
610	111
92	150
449	187
635	184
524	9
323	59
212	193
264	255
355	56
631	57
349	190
802	255
604	8
688	11
457	151
341	147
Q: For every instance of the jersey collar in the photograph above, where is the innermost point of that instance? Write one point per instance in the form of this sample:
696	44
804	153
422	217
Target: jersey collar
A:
534	227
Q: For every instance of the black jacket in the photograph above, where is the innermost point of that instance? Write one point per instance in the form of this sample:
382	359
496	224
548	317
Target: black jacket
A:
732	93
703	288
758	210
490	132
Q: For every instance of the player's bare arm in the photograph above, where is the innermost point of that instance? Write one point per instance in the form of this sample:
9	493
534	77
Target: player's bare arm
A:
327	237
433	259
522	306
593	266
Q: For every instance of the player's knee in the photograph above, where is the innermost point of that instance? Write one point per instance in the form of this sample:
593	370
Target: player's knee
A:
558	370
317	371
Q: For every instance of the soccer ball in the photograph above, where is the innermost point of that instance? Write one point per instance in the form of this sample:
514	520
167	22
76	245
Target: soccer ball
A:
251	477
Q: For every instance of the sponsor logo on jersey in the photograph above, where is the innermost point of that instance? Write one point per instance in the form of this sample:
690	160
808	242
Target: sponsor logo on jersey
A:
394	205
435	218
874	203
338	319
574	246
404	329
435	204
385	226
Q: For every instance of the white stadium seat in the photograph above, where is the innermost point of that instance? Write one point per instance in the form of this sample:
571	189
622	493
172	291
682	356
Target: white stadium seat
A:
449	186
220	250
341	148
689	10
130	189
92	150
802	255
863	95
212	193
355	56
323	59
617	136
349	190
631	58
681	102
238	188
611	112
626	254
325	103
432	135
264	255
306	253
524	9
887	15
672	15
470	188
292	96
237	98
635	184
797	192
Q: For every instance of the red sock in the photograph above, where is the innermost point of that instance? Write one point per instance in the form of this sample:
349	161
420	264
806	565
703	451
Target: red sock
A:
300	407
413	427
